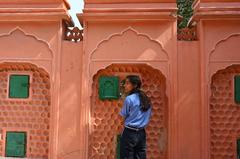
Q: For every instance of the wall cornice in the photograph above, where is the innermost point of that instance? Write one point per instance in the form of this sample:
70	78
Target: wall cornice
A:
33	16
128	11
127	1
212	10
33	9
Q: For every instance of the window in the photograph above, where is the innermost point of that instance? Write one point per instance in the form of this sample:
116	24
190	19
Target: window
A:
19	86
15	144
108	87
237	88
238	149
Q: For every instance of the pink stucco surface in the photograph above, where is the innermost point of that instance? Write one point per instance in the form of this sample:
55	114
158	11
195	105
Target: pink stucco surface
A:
123	37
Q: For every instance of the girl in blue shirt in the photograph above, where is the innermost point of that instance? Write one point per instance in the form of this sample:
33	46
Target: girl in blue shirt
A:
136	111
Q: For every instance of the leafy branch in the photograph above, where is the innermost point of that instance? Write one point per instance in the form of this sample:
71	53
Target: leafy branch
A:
185	11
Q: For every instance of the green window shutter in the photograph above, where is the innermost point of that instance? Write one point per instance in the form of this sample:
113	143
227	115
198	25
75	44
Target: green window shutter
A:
237	89
238	149
19	86
108	87
118	147
16	144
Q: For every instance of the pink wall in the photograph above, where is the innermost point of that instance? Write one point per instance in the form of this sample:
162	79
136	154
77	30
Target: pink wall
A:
218	25
23	43
142	38
31	34
70	100
148	37
118	34
189	101
219	45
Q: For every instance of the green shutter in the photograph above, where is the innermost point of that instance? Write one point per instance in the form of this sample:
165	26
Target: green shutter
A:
237	89
238	149
19	86
118	146
16	144
108	87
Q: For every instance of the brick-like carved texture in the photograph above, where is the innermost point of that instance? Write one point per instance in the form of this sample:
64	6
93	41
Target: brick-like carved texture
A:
32	114
107	124
224	114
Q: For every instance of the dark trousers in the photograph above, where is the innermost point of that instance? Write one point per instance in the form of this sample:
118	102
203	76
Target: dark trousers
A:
133	144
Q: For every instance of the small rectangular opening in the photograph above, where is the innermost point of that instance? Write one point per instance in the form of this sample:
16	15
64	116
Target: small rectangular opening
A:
238	148
15	144
19	86
108	87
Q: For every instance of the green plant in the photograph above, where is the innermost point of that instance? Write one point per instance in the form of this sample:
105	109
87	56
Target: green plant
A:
185	11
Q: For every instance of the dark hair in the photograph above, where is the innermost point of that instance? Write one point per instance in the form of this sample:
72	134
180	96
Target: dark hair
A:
145	102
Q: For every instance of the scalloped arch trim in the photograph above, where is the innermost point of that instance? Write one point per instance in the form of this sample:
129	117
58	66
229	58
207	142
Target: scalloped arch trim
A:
226	49
129	44
18	44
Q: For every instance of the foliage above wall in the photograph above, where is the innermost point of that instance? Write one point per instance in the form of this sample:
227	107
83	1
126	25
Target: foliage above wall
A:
185	11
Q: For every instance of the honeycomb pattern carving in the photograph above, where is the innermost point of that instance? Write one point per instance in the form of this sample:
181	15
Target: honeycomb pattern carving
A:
224	114
107	123
31	115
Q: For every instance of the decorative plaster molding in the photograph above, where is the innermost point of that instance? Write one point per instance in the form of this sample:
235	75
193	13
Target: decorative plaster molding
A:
73	34
221	67
222	41
222	64
225	61
127	60
127	1
24	59
26	62
18	29
121	34
108	65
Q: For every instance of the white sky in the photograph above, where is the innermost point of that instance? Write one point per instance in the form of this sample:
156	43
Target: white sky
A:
76	7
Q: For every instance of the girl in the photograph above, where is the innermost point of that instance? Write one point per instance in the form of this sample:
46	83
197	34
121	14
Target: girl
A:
136	112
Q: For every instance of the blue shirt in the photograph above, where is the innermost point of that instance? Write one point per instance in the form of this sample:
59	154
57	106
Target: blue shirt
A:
132	112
